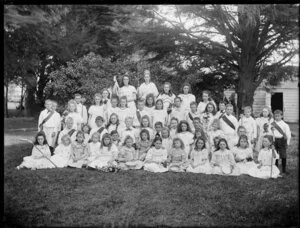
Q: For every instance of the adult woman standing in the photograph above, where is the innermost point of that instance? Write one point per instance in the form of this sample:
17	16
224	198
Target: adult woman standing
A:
206	98
147	87
186	97
126	90
167	96
95	110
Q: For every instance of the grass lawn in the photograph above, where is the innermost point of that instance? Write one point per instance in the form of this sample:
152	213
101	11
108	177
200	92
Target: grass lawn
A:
79	197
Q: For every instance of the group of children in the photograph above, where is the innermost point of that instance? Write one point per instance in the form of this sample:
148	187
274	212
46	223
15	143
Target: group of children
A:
159	132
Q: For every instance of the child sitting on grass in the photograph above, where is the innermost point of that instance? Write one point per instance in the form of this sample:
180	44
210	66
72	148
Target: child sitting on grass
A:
156	158
243	155
40	153
266	158
222	160
79	152
126	154
143	145
108	153
166	139
94	147
199	162
62	152
177	158
173	127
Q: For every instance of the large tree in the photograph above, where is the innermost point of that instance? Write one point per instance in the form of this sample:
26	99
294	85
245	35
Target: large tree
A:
222	45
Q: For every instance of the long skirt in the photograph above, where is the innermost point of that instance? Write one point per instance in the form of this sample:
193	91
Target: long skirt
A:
205	168
264	172
100	162
135	164
78	164
225	169
155	168
60	161
178	166
35	163
245	167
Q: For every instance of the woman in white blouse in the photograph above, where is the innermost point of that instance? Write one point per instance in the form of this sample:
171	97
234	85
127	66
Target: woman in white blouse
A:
186	97
126	90
95	110
167	96
147	87
205	100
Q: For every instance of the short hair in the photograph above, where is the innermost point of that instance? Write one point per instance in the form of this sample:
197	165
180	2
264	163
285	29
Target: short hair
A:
97	134
66	136
196	142
72	102
166	129
114	96
222	102
174	118
193	103
241	127
123	98
196	118
128	118
126	138
278	111
69	119
157	139
147	133
177	98
247	108
77	95
229	105
158	123
181	143
99	118
207	92
98	95
80	133
270	138
113	132
216	120
88	126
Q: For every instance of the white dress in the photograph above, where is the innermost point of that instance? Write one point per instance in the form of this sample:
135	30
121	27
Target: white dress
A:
240	156
122	114
265	156
178	113
188	139
160	115
250	125
128	92
156	155
260	124
167	100
61	155
95	111
207	119
186	100
167	143
76	118
145	89
65	132
37	160
93	130
199	162
112	127
93	150
105	156
225	163
229	132
173	133
79	151
213	134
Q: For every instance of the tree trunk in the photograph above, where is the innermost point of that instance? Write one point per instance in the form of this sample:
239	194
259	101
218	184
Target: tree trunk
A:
42	82
30	104
6	101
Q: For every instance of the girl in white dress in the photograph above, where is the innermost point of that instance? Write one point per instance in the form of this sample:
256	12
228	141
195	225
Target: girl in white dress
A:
193	113
200	133
143	145
222	160
115	137
156	158
126	157
167	96
150	105
147	87
205	99
208	117
243	155
266	158
173	127
72	112
123	111
186	97
86	130
263	126
68	130
113	123
166	139
250	124
126	90
105	97
241	130
94	147
185	134
199	162
79	152
100	128
108	153
40	153
96	110
113	107
159	113
177	158
62	152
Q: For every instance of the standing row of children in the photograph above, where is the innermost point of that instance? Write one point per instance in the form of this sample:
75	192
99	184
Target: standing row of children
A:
172	131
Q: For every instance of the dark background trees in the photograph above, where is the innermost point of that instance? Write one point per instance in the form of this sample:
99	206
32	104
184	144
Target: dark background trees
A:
212	46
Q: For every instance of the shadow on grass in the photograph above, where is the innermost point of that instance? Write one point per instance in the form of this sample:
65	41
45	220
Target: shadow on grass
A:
79	197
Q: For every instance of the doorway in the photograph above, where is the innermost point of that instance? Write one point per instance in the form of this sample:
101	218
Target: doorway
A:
277	101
